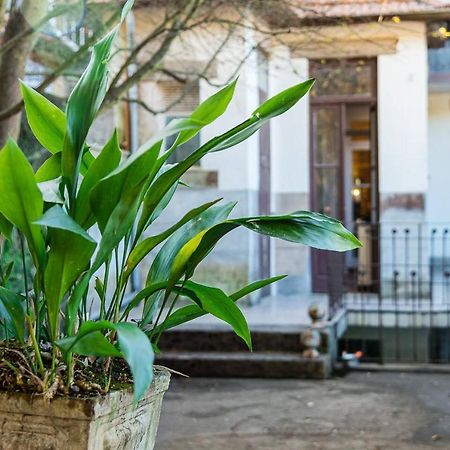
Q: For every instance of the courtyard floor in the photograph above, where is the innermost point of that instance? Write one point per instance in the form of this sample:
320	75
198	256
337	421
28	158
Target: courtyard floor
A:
361	411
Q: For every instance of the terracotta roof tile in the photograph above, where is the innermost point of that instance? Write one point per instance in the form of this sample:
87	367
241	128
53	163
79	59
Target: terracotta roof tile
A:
364	8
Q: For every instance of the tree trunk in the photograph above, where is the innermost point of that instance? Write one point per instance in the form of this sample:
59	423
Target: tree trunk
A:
13	62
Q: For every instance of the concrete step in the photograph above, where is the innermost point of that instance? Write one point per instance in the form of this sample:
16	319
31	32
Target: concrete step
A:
246	364
225	340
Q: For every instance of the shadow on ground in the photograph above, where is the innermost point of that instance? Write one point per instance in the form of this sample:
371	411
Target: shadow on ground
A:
362	411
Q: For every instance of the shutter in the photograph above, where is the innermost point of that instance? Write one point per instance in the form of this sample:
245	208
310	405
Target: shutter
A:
180	97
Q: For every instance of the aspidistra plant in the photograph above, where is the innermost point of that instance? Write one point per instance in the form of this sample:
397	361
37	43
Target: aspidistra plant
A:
56	210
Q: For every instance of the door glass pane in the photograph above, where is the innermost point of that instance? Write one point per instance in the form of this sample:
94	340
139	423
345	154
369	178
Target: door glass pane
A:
342	77
327	135
326	182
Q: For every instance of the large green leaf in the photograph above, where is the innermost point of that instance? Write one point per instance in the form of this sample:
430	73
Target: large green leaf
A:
139	167
162	264
134	346
85	101
303	227
214	301
271	108
14	305
102	166
46	120
55	217
69	256
83	104
191	312
20	198
119	224
126	178
148	244
92	344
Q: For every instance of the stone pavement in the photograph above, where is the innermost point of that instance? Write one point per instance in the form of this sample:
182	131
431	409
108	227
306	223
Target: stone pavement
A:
361	411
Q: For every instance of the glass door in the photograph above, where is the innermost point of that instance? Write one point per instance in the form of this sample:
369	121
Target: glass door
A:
326	177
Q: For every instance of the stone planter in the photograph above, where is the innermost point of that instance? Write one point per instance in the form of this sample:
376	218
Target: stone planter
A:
107	422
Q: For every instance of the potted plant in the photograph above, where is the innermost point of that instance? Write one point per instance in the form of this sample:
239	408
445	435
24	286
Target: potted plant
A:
84	223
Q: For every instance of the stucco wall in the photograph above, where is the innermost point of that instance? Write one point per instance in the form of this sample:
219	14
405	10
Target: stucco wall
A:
402	123
438	197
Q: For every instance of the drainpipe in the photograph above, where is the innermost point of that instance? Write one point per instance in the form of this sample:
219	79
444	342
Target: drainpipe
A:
133	120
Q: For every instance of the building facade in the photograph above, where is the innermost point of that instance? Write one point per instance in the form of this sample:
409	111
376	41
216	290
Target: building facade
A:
370	145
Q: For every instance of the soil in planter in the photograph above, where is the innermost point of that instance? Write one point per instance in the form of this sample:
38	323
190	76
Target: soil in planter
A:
90	377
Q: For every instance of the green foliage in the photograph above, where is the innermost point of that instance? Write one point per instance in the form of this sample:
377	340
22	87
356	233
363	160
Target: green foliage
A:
54	210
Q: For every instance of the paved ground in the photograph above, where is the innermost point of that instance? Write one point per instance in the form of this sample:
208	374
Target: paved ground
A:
362	411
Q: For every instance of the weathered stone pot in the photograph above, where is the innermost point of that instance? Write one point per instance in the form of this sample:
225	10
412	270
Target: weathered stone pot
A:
108	422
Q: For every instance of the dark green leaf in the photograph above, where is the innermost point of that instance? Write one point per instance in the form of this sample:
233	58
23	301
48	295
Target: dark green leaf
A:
69	256
6	227
102	166
304	227
214	301
14	306
191	312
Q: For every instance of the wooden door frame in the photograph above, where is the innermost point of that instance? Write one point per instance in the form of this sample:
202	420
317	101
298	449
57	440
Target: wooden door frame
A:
343	101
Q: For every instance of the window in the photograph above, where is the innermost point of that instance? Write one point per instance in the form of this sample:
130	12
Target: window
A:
343	77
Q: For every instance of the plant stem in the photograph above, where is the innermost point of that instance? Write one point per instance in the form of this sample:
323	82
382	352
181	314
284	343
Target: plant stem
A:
35	346
24	268
105	288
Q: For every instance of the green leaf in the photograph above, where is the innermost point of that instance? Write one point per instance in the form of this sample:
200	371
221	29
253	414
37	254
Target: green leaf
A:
102	166
191	312
119	224
209	110
21	200
46	120
50	169
69	256
14	306
304	227
163	261
214	301
269	109
82	106
138	353
134	346
140	166
91	344
148	244
283	101
126	178
55	217
6	227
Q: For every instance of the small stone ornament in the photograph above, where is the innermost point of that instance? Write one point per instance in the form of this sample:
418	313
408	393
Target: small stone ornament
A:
310	338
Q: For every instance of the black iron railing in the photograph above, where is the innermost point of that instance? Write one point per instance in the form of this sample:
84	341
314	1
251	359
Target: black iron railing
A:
396	291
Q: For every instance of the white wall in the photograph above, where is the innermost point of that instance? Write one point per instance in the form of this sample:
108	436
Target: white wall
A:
402	113
438	195
289	132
